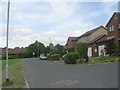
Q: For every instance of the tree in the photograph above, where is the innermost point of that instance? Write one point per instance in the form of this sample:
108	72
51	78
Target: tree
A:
60	49
47	50
110	48
36	48
57	49
82	50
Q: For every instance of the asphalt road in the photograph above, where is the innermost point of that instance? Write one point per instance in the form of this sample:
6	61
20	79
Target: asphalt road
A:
47	74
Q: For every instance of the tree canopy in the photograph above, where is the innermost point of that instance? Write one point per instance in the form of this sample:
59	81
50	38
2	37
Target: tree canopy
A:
36	48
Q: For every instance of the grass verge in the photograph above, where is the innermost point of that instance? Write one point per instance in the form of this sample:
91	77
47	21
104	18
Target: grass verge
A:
16	75
103	60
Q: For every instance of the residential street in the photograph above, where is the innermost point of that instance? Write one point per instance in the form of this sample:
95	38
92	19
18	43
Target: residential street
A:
47	74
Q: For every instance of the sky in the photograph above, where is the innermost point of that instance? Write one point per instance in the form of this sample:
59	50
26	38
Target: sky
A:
58	20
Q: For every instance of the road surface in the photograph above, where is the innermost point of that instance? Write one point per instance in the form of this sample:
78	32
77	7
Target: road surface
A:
47	74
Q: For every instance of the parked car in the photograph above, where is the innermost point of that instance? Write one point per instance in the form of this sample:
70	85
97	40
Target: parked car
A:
42	57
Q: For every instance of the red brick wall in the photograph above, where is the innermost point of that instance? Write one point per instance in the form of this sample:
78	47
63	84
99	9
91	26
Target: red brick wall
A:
116	32
94	46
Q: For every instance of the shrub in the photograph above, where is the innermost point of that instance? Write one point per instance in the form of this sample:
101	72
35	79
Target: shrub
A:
10	57
54	57
71	58
24	55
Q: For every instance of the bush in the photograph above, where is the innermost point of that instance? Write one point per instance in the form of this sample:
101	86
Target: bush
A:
71	58
24	55
54	57
10	57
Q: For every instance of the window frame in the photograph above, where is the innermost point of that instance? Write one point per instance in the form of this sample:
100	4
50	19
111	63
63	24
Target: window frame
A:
118	25
111	28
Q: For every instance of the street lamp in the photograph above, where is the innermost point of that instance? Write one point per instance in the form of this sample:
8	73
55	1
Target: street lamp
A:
8	11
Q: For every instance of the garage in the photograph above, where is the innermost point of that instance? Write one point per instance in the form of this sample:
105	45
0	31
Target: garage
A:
90	52
101	47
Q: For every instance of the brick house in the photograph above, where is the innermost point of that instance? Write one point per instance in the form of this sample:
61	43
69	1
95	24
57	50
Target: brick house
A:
91	38
92	34
71	43
15	51
113	34
95	51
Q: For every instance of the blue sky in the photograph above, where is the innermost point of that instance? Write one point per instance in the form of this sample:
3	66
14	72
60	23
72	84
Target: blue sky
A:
30	21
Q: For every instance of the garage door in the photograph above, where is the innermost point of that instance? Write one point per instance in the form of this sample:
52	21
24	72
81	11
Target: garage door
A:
100	48
90	52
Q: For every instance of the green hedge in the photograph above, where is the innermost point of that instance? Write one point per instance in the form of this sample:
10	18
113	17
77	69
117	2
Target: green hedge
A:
54	57
24	55
71	58
10	57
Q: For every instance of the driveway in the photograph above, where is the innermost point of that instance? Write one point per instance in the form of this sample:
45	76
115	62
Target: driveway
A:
47	74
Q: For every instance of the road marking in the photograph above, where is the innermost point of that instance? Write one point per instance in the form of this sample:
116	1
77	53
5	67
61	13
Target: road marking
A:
65	82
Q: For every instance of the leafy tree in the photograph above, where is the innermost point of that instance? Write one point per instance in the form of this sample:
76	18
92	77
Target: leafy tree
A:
82	50
55	49
60	49
36	48
47	50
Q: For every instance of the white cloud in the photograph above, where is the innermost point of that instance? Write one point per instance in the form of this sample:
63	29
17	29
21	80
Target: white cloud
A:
60	0
61	16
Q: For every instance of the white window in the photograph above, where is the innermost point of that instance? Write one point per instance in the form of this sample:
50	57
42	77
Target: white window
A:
118	25
112	28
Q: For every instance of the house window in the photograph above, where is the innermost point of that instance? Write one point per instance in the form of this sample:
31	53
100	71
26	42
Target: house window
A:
111	28
118	25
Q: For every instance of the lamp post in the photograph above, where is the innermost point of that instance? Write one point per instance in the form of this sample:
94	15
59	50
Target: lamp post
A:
8	11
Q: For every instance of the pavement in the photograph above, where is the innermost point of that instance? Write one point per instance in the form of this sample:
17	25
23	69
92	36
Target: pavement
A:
48	74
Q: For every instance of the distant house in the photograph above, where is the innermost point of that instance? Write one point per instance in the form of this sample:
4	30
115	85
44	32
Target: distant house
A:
113	33
15	51
71	43
91	37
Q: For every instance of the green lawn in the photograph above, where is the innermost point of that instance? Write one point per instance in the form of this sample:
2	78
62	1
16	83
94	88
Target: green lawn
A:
103	60
16	75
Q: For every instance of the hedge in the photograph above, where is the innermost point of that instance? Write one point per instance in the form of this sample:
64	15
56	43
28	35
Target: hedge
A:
10	57
54	57
71	58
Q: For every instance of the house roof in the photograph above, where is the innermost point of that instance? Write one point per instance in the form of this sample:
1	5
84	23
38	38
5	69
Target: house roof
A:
115	13
91	31
97	38
72	38
105	39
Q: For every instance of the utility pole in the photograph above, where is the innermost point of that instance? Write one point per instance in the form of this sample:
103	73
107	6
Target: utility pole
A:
8	11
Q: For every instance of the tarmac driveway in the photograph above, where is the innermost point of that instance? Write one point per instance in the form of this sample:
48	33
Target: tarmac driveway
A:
47	74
